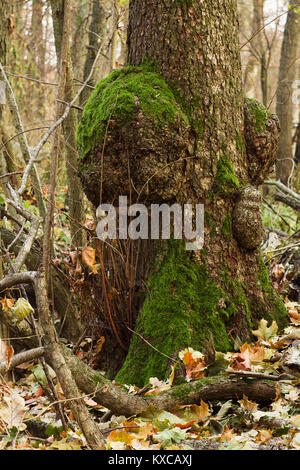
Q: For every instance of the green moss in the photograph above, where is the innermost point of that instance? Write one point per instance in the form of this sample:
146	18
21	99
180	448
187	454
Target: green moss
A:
232	82
226	179
226	227
115	99
240	145
259	114
181	308
211	195
276	310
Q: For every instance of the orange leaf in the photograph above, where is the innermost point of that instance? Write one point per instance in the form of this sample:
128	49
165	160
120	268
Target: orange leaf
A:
39	392
120	436
8	356
88	257
6	303
100	343
227	435
195	368
186	425
263	436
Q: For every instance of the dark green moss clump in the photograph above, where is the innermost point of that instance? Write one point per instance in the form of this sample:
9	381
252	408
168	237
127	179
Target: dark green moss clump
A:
182	306
259	115
226	227
226	179
133	127
119	97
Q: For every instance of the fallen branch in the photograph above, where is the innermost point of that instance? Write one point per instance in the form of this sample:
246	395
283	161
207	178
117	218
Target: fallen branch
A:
288	200
283	188
119	401
259	375
11	280
20	358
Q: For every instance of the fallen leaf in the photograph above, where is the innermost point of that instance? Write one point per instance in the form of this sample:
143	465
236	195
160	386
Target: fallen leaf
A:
7	303
265	333
88	257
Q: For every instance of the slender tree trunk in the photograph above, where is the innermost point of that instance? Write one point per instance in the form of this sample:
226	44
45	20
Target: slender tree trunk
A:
5	31
258	54
38	49
69	130
217	149
284	106
96	33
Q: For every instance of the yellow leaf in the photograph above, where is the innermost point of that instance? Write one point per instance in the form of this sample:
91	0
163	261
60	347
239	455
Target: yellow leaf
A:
21	309
201	412
263	436
295	421
248	405
120	436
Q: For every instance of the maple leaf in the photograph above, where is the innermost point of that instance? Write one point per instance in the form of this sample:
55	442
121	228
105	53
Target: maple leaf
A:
248	405
194	363
265	333
120	436
227	435
200	412
263	436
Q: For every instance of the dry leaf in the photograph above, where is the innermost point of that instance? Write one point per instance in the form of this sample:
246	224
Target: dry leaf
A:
88	257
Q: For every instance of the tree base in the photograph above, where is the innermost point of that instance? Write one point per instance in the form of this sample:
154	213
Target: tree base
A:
184	304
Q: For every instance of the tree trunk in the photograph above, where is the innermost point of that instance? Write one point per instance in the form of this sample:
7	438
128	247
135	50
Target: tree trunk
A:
284	106
69	129
258	52
5	30
96	33
175	122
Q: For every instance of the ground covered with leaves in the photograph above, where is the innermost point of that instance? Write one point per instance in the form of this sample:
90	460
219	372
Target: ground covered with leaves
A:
31	419
28	420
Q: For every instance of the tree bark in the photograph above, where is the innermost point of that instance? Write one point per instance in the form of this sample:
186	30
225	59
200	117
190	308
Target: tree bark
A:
75	193
284	105
216	151
96	33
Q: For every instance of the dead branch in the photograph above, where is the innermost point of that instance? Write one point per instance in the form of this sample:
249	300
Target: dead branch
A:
17	278
20	358
54	357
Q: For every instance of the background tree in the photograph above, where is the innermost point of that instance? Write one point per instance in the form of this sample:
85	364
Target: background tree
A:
284	104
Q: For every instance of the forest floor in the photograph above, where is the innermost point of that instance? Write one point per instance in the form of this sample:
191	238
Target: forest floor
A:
29	419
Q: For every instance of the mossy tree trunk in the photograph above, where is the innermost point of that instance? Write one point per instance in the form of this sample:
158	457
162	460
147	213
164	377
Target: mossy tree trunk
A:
208	146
